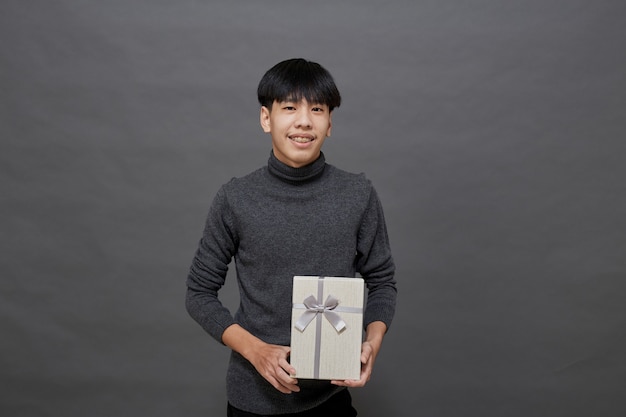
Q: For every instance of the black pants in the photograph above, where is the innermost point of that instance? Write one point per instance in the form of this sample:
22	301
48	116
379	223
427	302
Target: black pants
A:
339	405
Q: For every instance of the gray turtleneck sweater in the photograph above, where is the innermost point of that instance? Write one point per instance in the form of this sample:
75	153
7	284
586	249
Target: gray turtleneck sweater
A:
278	222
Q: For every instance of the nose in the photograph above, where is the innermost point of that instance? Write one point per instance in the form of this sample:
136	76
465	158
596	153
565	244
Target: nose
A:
303	119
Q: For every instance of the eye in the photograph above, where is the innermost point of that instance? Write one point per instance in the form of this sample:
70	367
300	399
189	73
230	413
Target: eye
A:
317	109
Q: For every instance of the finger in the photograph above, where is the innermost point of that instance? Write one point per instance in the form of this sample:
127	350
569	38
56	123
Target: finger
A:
366	373
286	380
276	384
290	387
341	382
282	382
366	352
286	366
350	383
290	383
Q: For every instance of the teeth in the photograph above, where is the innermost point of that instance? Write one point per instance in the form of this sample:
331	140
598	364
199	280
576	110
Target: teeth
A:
300	139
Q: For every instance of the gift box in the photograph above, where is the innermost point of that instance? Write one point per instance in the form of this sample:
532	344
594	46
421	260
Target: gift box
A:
327	327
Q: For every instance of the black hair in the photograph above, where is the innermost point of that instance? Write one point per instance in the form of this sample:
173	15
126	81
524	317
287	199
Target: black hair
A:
295	79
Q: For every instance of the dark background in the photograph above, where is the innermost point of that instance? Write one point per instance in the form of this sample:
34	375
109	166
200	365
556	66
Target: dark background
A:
493	131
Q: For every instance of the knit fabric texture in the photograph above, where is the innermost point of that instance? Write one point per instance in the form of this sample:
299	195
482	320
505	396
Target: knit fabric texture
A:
277	222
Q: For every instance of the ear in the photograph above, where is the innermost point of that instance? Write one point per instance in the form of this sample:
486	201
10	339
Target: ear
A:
330	124
265	119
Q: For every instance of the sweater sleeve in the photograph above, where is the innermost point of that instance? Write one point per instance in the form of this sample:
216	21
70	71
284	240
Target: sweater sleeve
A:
376	265
209	267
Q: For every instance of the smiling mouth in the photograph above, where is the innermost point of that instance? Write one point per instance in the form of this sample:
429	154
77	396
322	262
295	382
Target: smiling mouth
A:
301	139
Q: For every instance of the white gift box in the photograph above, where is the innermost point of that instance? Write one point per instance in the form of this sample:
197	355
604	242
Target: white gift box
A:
327	327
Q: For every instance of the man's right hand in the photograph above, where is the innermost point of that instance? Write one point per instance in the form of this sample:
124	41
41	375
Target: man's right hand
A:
269	360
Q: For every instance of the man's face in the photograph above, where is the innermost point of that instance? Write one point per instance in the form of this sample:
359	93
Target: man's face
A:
298	130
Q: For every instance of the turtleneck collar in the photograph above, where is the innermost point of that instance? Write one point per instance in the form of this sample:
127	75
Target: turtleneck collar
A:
296	175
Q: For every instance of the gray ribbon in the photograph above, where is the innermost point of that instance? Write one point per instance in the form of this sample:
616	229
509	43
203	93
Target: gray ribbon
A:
313	308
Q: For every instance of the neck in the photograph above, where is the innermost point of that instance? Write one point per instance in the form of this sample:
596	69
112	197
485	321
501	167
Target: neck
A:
299	175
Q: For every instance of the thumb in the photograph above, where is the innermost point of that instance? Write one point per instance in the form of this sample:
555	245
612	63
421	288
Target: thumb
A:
366	352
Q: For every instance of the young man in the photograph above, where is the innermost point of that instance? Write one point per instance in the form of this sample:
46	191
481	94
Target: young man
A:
297	215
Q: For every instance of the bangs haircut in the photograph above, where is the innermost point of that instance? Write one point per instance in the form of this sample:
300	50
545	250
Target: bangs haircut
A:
297	79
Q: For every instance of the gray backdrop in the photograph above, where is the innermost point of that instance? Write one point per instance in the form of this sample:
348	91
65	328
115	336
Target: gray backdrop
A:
493	131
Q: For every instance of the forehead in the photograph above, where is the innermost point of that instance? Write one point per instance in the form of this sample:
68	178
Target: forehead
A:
299	100
302	93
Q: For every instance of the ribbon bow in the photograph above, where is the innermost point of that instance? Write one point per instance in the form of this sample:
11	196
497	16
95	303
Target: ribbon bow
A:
313	308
